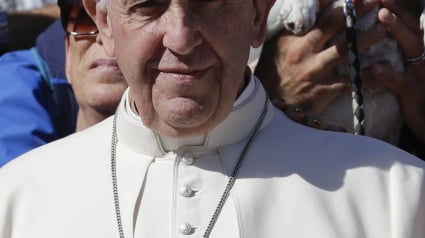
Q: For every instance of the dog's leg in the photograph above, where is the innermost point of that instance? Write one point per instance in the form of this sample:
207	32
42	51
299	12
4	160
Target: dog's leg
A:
295	15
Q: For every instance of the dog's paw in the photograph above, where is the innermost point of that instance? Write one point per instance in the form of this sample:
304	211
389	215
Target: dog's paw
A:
298	15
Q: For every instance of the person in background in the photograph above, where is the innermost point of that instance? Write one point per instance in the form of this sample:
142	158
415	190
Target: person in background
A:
96	79
290	64
196	149
37	104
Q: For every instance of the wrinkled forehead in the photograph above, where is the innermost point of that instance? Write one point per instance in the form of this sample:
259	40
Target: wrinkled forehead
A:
147	10
156	3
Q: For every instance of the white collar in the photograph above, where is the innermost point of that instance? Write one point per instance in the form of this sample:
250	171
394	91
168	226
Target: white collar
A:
246	111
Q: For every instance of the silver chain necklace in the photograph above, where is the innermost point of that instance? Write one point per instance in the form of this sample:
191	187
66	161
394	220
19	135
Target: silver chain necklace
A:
226	191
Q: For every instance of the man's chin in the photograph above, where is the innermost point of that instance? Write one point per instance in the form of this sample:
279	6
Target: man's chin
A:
181	127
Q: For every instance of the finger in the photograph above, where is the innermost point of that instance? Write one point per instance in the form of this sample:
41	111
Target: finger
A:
321	33
333	87
410	16
333	16
327	92
411	44
337	53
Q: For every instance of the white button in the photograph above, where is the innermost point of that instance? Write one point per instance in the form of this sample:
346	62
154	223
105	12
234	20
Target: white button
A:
188	158
186	191
185	228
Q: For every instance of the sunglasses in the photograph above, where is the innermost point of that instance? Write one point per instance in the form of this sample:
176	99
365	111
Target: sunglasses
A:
80	23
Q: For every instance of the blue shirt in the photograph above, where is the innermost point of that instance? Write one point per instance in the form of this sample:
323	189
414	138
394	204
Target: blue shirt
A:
37	105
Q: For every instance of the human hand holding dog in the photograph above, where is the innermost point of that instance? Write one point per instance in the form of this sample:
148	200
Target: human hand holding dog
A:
410	84
300	68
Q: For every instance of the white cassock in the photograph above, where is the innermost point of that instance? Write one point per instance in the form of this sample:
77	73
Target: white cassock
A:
295	182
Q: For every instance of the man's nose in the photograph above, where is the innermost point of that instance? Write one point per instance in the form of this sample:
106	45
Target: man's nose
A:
181	34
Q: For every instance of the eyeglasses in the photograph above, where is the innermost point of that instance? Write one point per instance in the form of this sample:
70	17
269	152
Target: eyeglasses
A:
80	25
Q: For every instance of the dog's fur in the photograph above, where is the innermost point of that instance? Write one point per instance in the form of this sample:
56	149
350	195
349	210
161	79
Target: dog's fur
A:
383	118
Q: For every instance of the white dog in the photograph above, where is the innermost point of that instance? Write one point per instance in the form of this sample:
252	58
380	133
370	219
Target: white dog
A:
381	107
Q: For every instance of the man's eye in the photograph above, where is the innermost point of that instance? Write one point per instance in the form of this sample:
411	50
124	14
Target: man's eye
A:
149	8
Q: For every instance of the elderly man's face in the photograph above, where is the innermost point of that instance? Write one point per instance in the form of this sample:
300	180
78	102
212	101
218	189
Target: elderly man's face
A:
96	80
183	59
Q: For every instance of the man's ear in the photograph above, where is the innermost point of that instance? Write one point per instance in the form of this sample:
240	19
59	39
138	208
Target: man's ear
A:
262	9
99	14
